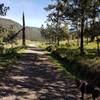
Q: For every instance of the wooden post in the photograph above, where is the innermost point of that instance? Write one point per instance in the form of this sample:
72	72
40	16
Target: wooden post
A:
23	35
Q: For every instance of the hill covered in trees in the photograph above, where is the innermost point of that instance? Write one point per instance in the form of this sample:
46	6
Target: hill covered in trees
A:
32	33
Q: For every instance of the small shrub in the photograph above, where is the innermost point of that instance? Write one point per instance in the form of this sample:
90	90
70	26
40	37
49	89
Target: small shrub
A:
49	48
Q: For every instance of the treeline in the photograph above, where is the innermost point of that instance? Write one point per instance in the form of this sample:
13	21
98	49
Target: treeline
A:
53	34
83	16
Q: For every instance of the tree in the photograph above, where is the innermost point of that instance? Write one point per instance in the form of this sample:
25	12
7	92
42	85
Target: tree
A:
65	33
55	18
43	32
94	13
75	11
3	9
78	11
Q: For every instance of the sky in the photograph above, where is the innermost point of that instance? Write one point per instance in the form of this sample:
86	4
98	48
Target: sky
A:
35	15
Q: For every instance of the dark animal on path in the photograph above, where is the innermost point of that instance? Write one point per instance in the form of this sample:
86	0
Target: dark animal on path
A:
87	87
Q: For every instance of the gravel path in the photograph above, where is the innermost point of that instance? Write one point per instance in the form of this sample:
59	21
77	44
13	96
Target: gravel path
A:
35	77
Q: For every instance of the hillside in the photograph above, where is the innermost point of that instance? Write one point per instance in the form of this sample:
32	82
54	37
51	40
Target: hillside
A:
32	33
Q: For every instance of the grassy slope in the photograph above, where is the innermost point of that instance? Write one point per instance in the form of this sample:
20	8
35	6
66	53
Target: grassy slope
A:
32	33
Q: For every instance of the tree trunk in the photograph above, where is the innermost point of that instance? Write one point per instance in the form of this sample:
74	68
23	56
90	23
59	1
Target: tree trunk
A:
68	41
58	41
52	40
23	36
78	41
81	39
98	48
92	37
87	40
93	34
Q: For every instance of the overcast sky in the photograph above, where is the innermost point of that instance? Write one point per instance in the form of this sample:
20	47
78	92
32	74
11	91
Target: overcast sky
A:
35	15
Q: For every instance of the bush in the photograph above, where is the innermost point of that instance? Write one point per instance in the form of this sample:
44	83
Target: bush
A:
49	48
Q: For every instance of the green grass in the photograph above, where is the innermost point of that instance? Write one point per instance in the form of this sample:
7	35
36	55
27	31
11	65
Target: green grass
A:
8	59
85	67
60	66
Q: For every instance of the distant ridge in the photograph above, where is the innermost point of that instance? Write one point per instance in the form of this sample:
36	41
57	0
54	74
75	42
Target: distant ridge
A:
32	33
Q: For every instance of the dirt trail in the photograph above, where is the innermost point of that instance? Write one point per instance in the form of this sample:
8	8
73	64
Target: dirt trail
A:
35	77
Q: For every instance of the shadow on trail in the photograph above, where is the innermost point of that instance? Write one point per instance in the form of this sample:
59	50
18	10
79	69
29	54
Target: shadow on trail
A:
36	78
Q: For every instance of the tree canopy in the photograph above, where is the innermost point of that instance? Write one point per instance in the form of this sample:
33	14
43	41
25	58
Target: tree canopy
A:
77	12
3	9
